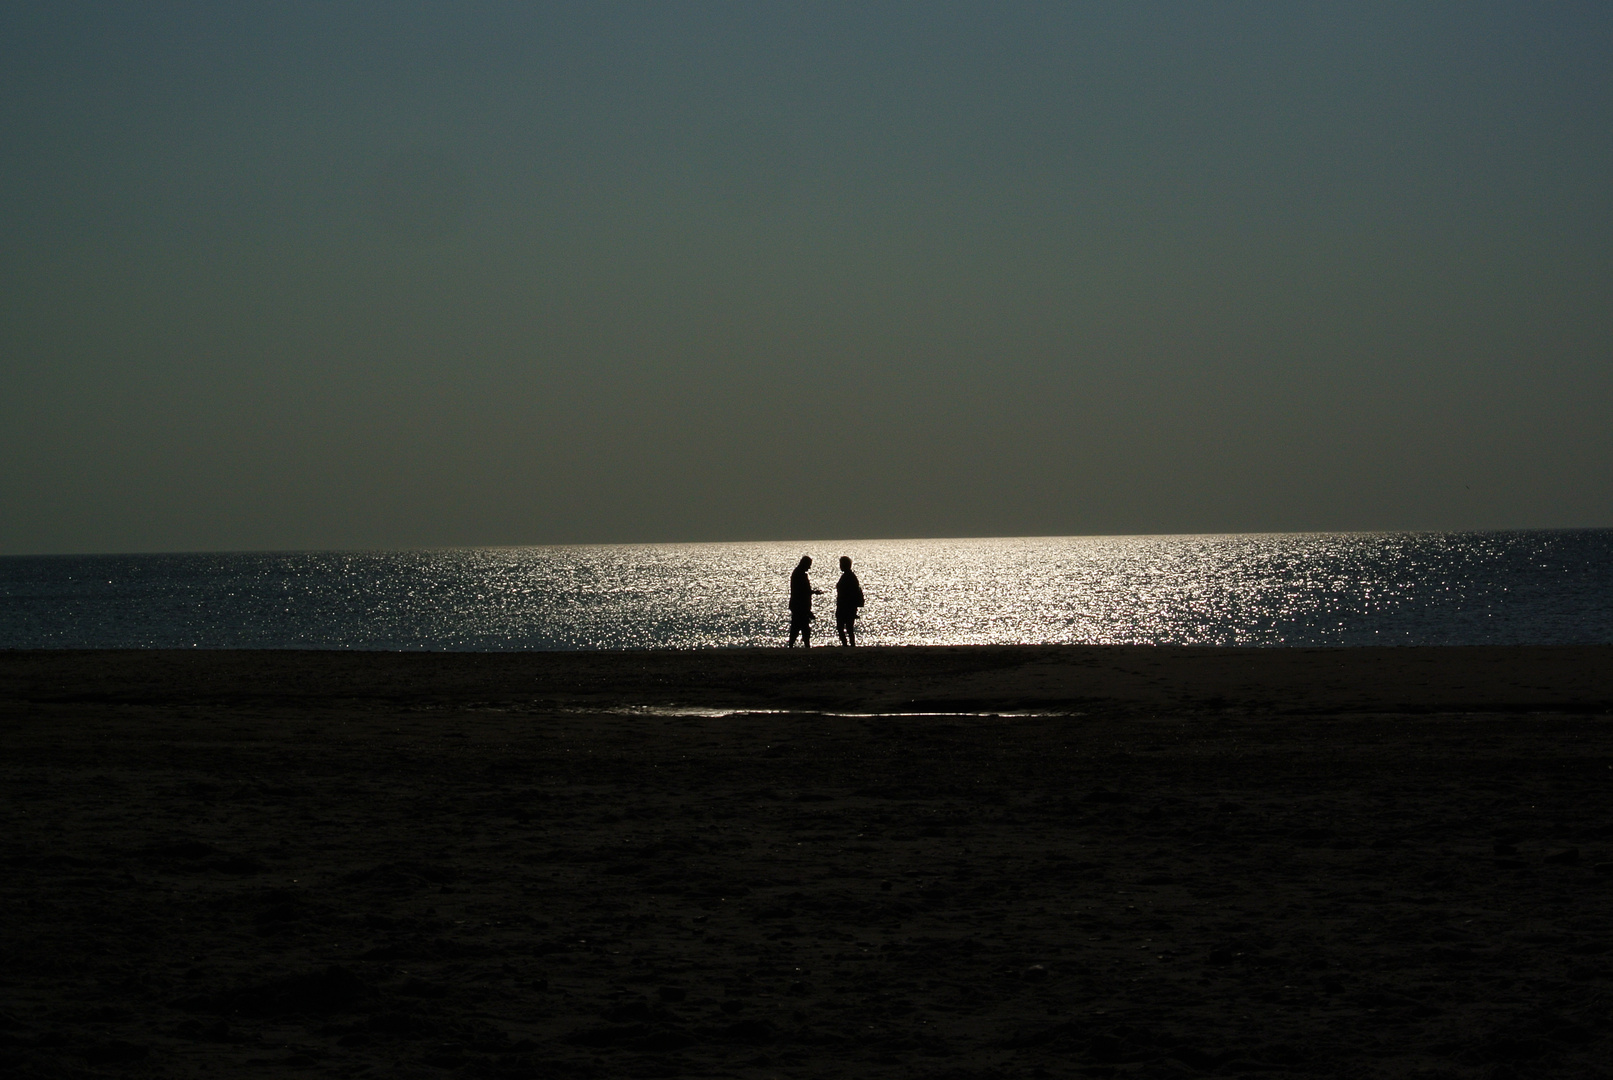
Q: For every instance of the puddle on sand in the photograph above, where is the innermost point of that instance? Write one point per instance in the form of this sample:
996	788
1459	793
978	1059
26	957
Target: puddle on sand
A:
704	712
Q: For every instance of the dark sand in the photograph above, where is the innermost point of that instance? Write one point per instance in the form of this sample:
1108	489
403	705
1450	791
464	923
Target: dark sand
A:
1241	863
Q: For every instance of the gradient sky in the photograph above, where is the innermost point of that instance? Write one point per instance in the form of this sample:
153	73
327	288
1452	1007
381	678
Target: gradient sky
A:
397	274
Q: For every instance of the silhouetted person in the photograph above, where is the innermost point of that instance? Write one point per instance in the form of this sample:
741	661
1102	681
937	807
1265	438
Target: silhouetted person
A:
848	598
801	593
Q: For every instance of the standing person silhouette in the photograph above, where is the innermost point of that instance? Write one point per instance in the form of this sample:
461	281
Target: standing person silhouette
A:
848	598
801	593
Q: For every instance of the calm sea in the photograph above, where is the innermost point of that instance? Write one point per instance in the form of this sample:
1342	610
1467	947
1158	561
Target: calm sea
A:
1544	587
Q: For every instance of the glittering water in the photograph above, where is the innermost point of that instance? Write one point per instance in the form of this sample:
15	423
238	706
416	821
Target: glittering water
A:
1284	589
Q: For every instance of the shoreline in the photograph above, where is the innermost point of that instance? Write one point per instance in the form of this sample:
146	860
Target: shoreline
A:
971	678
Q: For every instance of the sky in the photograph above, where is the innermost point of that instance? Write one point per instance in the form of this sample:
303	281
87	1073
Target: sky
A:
403	274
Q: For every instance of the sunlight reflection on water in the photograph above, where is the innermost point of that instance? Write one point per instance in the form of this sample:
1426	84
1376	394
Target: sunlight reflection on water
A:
1281	589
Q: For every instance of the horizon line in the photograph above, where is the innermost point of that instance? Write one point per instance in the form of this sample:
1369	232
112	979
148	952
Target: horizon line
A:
378	550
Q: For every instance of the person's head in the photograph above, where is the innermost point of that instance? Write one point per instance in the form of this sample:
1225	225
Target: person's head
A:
806	561
845	563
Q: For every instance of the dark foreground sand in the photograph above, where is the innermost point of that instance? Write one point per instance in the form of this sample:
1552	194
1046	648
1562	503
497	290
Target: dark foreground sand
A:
1239	863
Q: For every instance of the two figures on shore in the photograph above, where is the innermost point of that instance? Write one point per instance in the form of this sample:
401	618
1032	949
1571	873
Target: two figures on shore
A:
848	598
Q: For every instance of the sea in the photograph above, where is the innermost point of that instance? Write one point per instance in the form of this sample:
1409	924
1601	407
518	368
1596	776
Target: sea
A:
1267	590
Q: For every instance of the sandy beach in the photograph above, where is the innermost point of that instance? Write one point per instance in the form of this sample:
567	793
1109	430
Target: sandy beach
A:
923	863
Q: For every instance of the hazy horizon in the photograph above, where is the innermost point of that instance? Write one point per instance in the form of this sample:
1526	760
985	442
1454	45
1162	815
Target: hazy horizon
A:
824	563
370	276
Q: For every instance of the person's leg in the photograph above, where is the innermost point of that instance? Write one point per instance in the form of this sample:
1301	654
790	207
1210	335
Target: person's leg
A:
795	629
851	631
